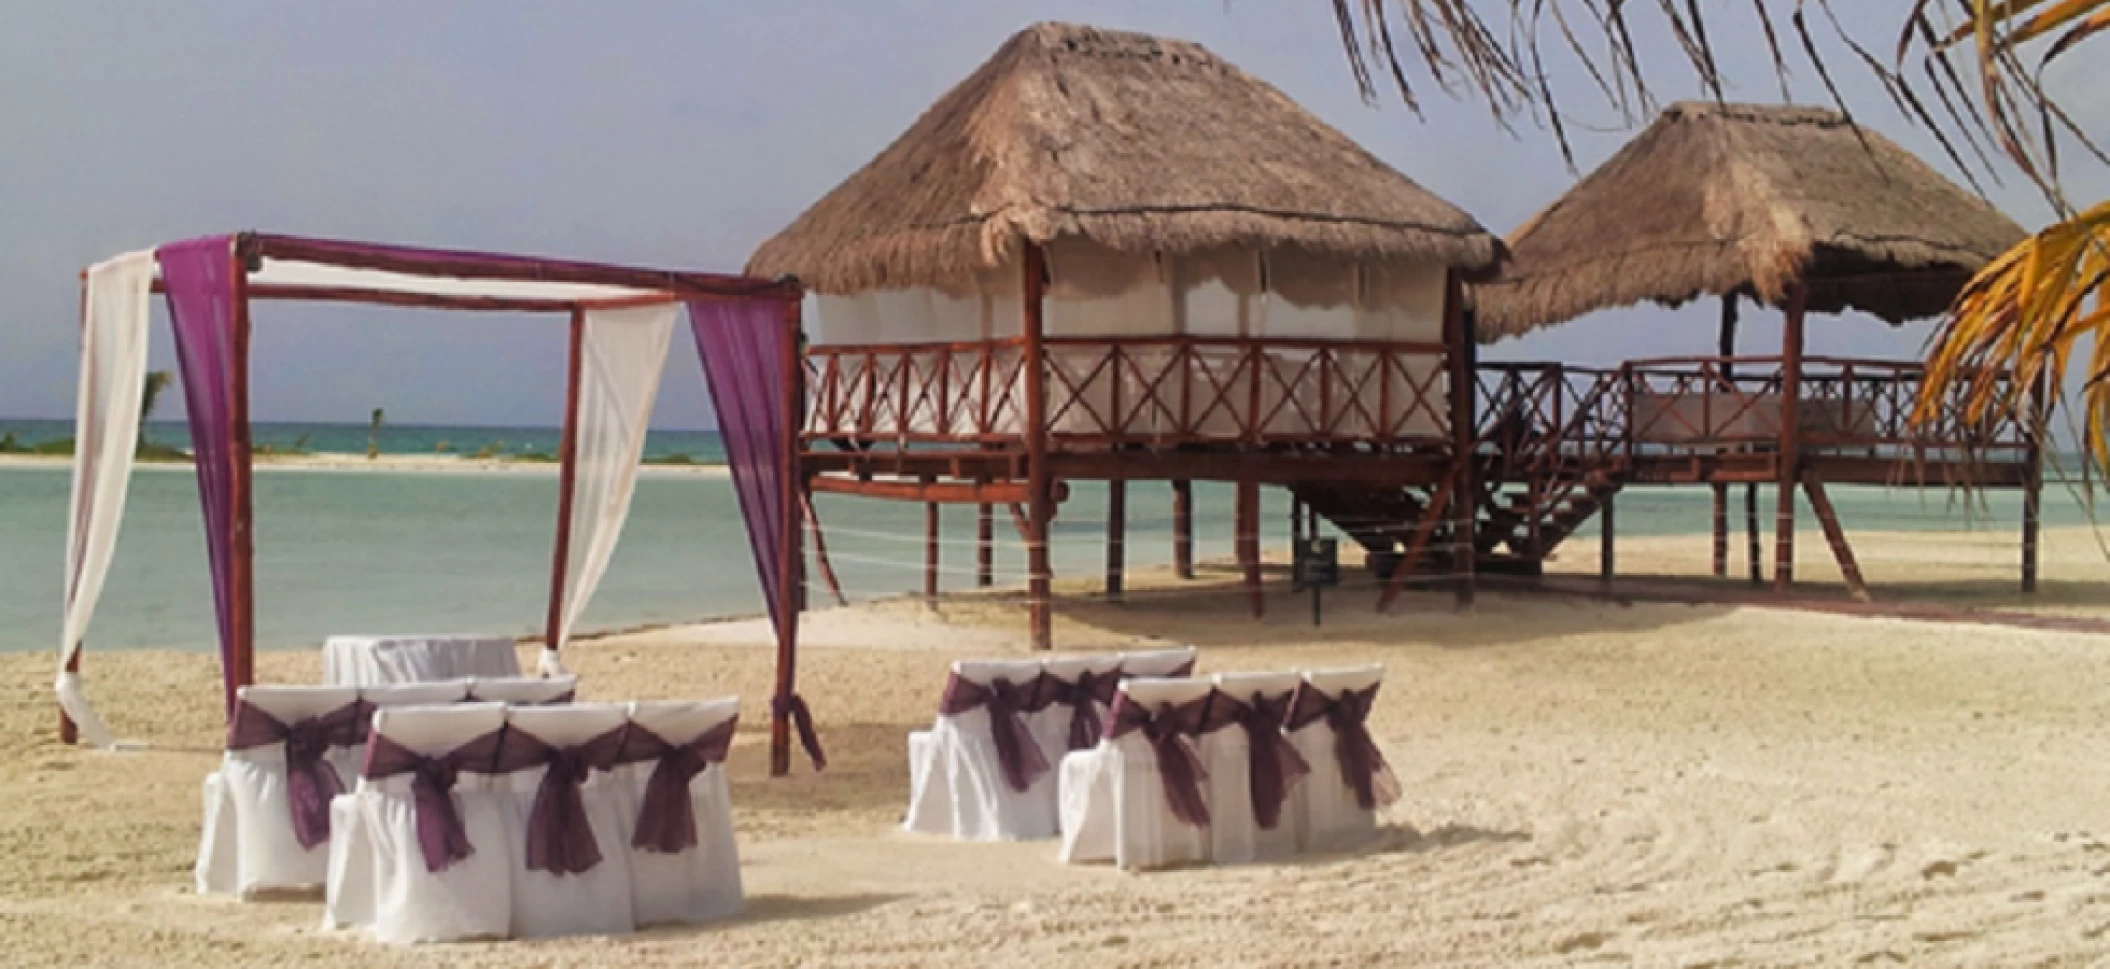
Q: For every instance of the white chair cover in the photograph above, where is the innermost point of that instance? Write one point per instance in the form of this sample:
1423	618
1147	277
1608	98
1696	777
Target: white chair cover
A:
701	884
1159	662
1113	801
1235	834
524	690
378	875
1324	807
248	843
957	785
597	900
371	660
348	759
1051	723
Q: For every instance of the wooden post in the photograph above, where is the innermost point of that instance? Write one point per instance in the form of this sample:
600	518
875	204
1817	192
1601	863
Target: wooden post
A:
1438	505
1183	529
1463	353
1790	439
1605	535
984	545
1751	542
1726	345
1040	499
930	555
1247	542
2036	421
567	476
1721	530
1116	537
1835	536
242	554
69	732
791	552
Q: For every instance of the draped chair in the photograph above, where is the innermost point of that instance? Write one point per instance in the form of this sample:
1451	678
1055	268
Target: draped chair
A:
1069	708
428	859
267	808
351	756
677	811
524	690
1139	797
1174	662
1253	768
1337	804
569	872
978	774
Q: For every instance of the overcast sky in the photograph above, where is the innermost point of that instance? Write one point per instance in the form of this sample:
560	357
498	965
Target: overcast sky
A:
677	134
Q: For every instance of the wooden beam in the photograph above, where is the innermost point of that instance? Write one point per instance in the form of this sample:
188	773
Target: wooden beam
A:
1420	541
1721	530
984	545
567	478
1116	537
1835	536
1183	528
1462	349
1247	542
1605	537
242	557
69	732
1039	497
1751	541
1790	438
473	265
941	492
930	555
791	552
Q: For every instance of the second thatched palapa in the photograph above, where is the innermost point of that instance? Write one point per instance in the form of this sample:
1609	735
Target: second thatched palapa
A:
1137	143
1738	199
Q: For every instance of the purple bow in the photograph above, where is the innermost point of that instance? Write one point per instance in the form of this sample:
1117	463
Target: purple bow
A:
1168	729
559	834
1272	762
310	780
1362	765
441	838
666	818
1016	751
1084	697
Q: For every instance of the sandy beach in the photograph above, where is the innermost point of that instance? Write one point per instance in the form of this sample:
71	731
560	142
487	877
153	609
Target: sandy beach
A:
1588	783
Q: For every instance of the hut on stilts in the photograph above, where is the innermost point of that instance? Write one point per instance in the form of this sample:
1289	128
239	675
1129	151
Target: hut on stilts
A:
1110	256
1794	208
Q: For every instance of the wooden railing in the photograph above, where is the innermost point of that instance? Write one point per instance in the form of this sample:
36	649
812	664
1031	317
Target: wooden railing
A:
1158	392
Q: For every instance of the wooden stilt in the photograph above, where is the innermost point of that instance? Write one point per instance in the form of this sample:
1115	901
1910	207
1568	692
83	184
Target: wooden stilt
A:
1790	439
1040	498
567	476
1183	529
1464	378
1438	506
1605	537
984	545
1721	530
930	555
1751	542
820	548
1116	536
1835	536
1247	542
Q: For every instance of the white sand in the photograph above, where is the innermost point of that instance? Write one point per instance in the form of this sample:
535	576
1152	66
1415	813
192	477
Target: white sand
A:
1586	784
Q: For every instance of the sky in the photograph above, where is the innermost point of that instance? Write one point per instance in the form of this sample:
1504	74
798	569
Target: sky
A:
676	134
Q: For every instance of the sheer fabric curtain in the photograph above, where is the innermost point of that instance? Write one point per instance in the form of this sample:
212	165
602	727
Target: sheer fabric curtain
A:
623	354
113	378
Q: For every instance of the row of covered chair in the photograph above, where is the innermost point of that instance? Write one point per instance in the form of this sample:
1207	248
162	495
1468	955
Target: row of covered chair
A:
985	770
482	820
290	749
1229	769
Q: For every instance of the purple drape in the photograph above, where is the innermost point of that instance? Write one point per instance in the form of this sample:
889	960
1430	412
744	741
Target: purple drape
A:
743	345
198	277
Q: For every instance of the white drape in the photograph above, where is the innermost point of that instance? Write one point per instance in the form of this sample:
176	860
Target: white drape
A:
113	377
622	356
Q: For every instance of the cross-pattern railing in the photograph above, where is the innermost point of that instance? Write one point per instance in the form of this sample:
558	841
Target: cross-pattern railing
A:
1135	391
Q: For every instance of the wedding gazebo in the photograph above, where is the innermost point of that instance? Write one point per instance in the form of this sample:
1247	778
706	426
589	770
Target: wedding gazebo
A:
621	324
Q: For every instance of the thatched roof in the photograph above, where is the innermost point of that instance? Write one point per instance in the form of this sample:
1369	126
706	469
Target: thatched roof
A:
1715	199
1136	142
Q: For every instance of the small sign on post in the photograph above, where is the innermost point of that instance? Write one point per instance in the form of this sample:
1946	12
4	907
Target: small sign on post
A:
1317	564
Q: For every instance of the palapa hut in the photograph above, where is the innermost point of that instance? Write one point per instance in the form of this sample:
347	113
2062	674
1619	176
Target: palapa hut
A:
1112	256
1797	208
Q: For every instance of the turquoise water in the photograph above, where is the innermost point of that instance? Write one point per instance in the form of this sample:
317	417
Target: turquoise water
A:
381	552
701	446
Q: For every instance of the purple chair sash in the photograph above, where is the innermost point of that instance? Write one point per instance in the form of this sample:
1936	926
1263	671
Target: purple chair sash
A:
441	838
1272	762
1348	713
666	817
1168	729
310	780
559	835
1016	751
1084	697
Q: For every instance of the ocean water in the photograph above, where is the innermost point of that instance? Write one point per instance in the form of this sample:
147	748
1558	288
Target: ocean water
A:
702	447
402	552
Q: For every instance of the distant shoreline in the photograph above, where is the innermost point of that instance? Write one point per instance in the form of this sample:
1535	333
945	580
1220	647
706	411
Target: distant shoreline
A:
383	464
